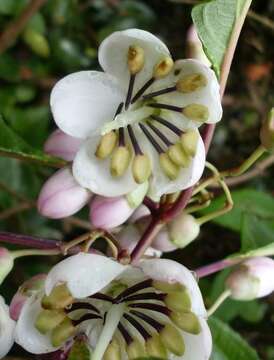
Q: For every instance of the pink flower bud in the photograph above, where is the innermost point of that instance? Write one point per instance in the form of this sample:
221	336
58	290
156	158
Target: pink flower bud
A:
26	290
252	279
6	263
141	212
62	145
194	46
183	230
107	213
162	241
62	196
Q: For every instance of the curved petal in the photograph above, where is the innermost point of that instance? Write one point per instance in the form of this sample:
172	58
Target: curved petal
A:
26	334
7	326
94	174
114	49
82	102
171	271
62	145
93	273
208	95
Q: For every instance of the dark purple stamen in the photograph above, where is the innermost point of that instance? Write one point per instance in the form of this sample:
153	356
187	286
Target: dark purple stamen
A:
137	326
142	90
146	296
133	289
160	135
166	106
167	124
100	296
156	146
119	109
121	138
130	90
134	141
85	318
126	335
159	92
154	307
82	305
148	319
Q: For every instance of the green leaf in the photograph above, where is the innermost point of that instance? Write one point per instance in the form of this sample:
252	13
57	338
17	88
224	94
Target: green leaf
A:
229	345
215	22
79	351
12	145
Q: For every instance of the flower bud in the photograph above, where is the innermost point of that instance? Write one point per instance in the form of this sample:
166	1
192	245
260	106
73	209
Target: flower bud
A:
195	47
62	196
141	212
162	241
252	279
107	213
62	145
267	132
183	230
6	263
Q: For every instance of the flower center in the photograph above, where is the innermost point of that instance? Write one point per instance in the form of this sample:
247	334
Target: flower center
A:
119	139
144	319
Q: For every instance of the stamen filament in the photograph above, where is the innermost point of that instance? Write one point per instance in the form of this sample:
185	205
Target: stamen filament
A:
146	296
160	92
100	296
148	319
126	335
166	123
82	306
133	289
130	90
151	139
137	326
119	109
134	141
142	90
160	135
121	140
166	106
154	307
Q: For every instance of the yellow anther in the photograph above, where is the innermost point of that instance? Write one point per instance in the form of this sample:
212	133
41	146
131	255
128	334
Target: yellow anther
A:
106	145
189	141
155	347
135	349
141	168
172	339
178	156
135	59
191	82
113	351
170	169
48	320
167	287
59	298
119	161
187	321
163	68
196	112
62	332
178	301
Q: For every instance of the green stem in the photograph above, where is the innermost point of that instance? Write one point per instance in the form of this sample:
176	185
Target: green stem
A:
34	252
218	302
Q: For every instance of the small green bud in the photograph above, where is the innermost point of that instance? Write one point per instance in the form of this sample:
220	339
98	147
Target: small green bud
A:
172	339
48	320
267	132
59	298
183	230
186	321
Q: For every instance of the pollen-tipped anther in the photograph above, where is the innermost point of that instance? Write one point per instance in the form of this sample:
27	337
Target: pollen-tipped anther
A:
62	332
136	59
172	339
106	145
191	82
59	298
178	301
196	112
155	347
178	155
186	321
163	68
119	161
169	168
141	168
47	320
189	141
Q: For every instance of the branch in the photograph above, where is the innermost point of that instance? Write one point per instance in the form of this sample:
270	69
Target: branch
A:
12	31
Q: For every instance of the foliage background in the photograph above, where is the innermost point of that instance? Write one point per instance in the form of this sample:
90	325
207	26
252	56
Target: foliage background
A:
62	38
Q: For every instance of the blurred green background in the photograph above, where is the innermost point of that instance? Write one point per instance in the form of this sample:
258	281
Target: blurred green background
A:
63	37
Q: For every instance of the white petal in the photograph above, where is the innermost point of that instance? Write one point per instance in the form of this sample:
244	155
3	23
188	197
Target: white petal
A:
208	95
26	334
113	54
7	326
171	271
84	274
82	102
94	174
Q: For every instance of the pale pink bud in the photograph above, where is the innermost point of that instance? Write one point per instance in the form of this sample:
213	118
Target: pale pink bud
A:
183	230
141	212
25	290
107	213
252	279
62	145
6	263
194	46
162	241
62	196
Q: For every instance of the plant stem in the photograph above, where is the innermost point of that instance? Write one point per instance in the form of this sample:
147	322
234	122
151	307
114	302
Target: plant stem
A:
218	302
35	252
215	267
29	241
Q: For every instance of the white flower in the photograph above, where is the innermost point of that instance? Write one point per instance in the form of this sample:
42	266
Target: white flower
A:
125	312
138	120
7	326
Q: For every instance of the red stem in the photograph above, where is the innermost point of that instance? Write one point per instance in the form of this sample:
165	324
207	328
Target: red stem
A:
29	241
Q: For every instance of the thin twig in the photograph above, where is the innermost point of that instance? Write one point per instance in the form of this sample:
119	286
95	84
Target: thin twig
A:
15	210
12	31
261	19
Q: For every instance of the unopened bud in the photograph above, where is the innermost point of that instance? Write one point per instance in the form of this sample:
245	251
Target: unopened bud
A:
183	230
136	59
62	332
6	263
172	339
141	168
163	68
189	141
106	145
162	241
186	321
252	279
113	351
170	169
267	132
59	298
191	82
155	347
196	112
135	349
47	320
119	161
62	196
178	155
